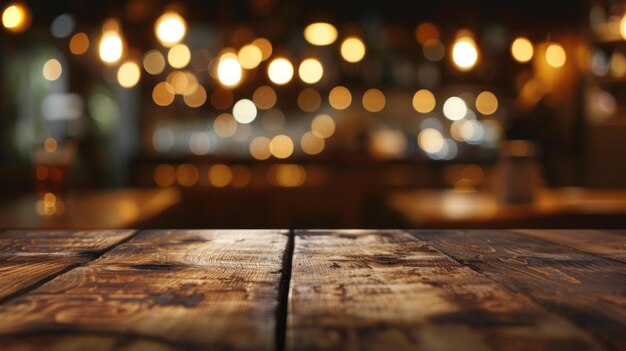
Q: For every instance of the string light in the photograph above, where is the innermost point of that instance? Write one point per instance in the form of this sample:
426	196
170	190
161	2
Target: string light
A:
170	29
320	33
280	71
465	53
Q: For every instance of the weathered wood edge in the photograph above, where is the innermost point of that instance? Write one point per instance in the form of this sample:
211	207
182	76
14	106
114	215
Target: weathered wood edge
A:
572	239
86	258
434	239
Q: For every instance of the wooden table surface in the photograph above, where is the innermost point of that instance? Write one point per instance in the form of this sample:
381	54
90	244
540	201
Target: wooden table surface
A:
446	208
312	290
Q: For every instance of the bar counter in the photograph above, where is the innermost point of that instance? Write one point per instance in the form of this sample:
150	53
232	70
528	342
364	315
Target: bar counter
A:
313	290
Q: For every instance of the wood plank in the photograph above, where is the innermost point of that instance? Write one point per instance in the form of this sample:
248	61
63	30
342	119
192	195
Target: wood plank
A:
30	257
588	290
194	289
609	244
375	290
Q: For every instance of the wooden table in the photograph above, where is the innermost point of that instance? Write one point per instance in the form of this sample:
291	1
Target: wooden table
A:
119	208
572	207
312	290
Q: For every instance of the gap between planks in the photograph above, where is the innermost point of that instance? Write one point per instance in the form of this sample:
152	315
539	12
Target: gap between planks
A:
90	257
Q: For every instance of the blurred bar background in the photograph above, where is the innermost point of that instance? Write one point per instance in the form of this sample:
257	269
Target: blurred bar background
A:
276	113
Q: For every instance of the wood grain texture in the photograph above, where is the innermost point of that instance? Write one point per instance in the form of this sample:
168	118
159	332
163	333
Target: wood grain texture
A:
387	290
609	244
587	289
28	257
162	290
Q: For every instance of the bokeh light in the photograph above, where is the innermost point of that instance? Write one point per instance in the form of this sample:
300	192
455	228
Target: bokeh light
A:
555	55
170	29
164	175
195	97
309	100
323	126
128	74
287	175
52	69
187	174
220	175
311	144
320	33
16	17
425	32
163	94
244	111
79	44
424	101
260	148
111	47
250	56
280	71
225	125
454	108
434	50
522	49
465	53
486	103
311	71
430	140
340	98
229	70
281	146
265	46
352	49
264	97
373	100
178	56
153	62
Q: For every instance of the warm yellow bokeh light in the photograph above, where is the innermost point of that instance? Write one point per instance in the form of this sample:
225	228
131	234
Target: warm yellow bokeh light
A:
260	148
352	49
454	108
281	146
555	55
241	176
163	94
373	100
618	65
486	103
309	100
244	111
229	70
424	101
323	126
52	69
164	175
320	33
179	56
430	140
170	29
225	125
50	145
250	56
79	44
622	26
425	32
311	144
16	17
311	71
265	46
522	50
154	62
465	53
264	97
111	47
220	175
280	71
287	175
128	74
187	174
195	98
340	98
